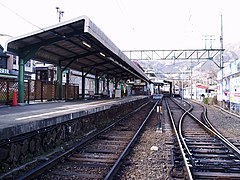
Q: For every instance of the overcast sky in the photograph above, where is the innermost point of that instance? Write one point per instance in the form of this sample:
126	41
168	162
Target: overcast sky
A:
132	24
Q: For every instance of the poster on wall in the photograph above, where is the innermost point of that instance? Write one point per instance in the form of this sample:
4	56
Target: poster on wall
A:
118	93
219	90
229	87
223	92
235	90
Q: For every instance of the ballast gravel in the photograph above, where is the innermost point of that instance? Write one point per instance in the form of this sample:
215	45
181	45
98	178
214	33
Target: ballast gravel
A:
151	156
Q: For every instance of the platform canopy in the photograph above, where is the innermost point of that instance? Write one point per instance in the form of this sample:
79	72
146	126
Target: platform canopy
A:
76	44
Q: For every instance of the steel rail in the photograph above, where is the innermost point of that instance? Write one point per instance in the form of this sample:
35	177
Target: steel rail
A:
51	163
27	135
212	130
185	159
180	127
235	150
206	125
125	152
181	135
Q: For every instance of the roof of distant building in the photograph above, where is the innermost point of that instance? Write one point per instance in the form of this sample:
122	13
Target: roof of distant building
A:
201	86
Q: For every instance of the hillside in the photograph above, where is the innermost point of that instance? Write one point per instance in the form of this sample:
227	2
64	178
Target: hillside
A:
173	68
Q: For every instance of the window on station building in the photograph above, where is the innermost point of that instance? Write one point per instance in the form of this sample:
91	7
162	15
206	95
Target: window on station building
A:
238	67
28	64
3	62
14	60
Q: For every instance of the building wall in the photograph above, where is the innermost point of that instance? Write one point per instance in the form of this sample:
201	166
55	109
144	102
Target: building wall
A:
197	92
230	76
14	61
229	86
7	72
12	66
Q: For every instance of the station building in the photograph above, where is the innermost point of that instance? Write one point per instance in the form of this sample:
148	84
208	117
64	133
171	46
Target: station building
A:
6	66
229	86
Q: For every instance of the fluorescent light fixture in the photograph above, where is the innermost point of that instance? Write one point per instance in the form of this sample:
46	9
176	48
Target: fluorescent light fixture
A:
86	44
102	54
110	58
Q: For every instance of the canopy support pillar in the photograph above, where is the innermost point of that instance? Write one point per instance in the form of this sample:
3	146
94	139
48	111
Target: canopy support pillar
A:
83	84
108	80
21	80
23	59
59	80
96	83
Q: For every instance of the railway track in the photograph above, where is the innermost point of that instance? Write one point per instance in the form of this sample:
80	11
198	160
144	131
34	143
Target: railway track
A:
100	155
206	154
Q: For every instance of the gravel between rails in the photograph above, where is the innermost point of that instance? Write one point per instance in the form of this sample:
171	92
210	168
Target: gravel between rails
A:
144	163
225	123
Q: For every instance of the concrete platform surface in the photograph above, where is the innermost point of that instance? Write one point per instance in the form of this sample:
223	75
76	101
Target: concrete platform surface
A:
15	120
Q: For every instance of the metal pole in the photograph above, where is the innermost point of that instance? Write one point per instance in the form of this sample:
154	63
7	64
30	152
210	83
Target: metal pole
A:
182	86
21	80
221	59
83	83
191	78
60	14
59	80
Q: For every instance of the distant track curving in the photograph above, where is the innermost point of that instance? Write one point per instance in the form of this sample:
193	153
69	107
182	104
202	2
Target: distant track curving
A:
206	153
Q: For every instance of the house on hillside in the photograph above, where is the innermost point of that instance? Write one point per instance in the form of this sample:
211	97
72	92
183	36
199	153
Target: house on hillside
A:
198	92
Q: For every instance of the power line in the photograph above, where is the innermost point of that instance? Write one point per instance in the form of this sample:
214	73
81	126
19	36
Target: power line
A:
18	15
119	7
123	10
56	34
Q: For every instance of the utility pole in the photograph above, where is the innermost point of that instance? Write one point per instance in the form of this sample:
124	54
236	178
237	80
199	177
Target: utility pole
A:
182	87
221	57
205	40
212	39
58	67
209	38
60	14
191	81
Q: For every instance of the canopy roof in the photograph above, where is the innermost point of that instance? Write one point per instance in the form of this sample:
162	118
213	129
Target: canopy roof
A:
77	44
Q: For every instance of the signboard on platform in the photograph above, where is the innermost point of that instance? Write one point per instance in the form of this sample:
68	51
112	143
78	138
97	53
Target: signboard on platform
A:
137	81
4	71
117	93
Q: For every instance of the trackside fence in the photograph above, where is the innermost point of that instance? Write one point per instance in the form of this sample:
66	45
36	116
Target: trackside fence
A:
36	90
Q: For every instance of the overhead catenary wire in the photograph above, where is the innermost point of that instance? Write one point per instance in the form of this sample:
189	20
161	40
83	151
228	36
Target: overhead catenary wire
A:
20	16
29	22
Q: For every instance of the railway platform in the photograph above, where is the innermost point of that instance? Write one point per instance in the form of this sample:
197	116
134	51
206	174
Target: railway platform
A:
17	120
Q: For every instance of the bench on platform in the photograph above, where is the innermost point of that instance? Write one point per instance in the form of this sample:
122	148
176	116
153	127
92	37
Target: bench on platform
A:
97	96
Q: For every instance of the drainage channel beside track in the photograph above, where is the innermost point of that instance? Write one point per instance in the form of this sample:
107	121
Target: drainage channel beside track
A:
205	152
99	156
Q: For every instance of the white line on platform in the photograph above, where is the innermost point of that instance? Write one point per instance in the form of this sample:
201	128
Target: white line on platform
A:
59	111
